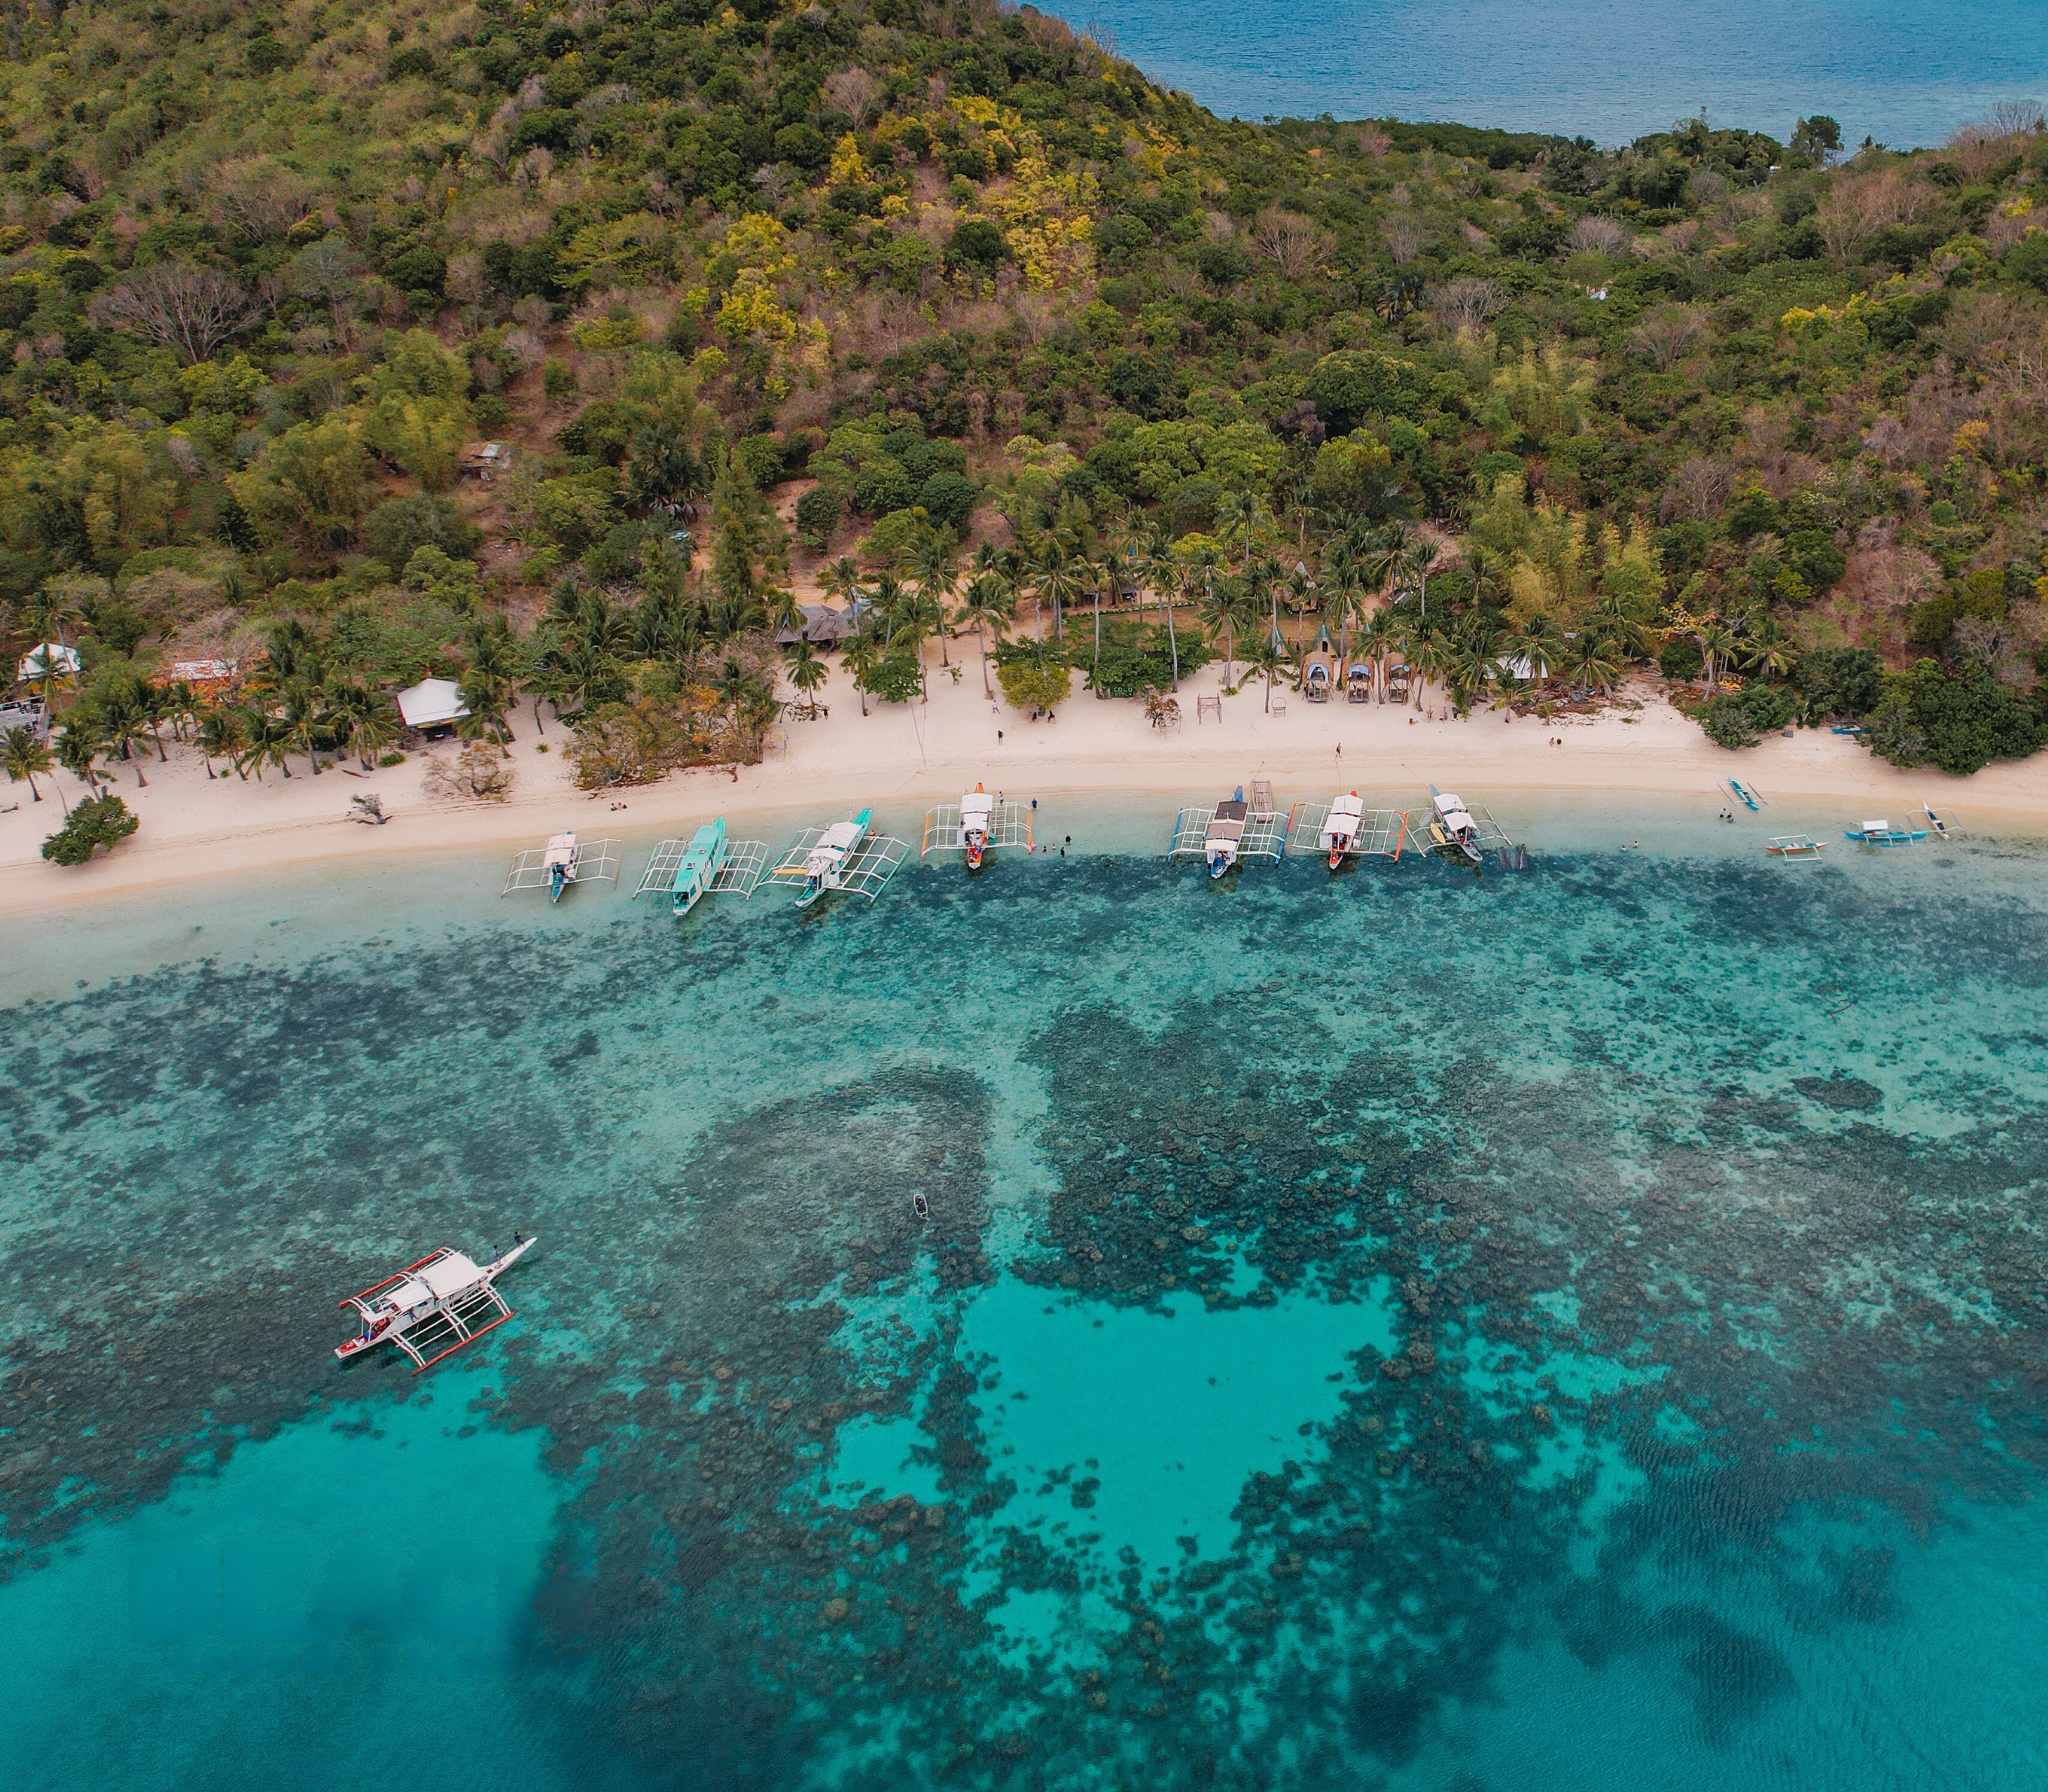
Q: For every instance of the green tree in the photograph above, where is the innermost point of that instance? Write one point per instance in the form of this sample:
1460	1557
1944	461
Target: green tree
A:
988	607
23	753
807	672
96	822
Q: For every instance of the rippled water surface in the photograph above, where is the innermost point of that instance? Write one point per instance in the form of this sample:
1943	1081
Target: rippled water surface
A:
1577	1328
1906	71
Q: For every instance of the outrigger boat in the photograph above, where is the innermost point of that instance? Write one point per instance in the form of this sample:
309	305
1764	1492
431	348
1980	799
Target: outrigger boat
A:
563	861
1451	826
560	861
432	1306
702	861
1235	832
826	861
1882	833
844	856
977	818
1340	828
1225	837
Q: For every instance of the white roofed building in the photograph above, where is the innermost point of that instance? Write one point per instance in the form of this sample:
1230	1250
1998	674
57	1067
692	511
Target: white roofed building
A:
432	703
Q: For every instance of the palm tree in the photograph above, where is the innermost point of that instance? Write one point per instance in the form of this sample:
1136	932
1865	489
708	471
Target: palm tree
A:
917	618
863	654
1269	659
1242	522
1768	648
49	676
934	562
1152	564
49	612
540	670
1717	647
24	753
1593	662
82	741
270	743
123	714
785	614
372	733
1470	662
1375	642
1422	557
1541	644
304	722
354	712
158	706
224	734
1430	656
842	579
990	604
806	672
1060	574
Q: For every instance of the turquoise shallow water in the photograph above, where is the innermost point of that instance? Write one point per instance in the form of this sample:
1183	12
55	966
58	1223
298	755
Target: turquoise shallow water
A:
1579	1328
1906	71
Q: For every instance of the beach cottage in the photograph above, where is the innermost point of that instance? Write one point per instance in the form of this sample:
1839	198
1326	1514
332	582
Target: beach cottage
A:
432	703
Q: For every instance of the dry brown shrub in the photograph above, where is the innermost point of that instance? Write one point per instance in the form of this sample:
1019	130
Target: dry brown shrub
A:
1665	337
1856	206
1297	246
1464	305
1598	235
1698	491
1403	238
480	773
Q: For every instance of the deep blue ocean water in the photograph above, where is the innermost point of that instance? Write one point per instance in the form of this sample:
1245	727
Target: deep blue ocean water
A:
1907	72
1577	1329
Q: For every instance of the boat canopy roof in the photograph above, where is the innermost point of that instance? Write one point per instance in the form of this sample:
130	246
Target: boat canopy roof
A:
1232	808
561	849
976	805
1880	826
1348	807
841	835
450	1275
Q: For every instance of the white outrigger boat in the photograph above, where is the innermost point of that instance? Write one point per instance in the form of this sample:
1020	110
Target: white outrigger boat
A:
976	826
1451	826
432	1306
563	861
825	863
1225	838
844	856
977	818
1233	833
1341	827
559	860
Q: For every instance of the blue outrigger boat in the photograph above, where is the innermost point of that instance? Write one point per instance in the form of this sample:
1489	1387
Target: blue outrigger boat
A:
1882	833
702	861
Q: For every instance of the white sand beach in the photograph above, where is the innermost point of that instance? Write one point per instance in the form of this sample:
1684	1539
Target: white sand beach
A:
194	827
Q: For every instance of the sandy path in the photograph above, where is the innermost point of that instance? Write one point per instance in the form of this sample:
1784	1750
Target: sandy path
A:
193	827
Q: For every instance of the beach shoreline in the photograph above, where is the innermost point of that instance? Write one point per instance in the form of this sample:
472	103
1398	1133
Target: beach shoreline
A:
195	829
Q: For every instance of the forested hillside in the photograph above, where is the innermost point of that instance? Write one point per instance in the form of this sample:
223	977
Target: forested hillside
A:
1020	332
